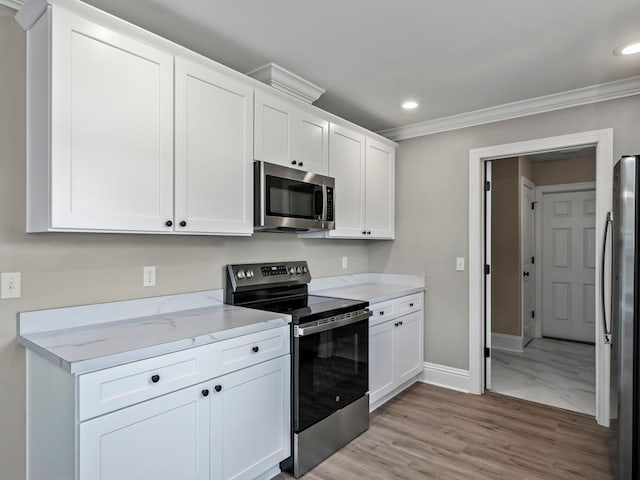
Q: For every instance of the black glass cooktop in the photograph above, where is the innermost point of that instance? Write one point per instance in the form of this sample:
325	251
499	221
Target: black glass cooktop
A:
311	307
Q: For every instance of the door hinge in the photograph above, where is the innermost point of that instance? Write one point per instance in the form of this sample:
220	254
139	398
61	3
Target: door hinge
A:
533	260
533	314
487	186
487	352
487	269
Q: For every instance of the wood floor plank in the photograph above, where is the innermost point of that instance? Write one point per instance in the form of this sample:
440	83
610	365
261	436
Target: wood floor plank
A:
434	433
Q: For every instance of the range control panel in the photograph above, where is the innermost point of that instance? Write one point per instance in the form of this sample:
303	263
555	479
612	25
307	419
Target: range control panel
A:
254	274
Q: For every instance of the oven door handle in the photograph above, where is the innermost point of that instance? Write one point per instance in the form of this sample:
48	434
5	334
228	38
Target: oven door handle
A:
301	330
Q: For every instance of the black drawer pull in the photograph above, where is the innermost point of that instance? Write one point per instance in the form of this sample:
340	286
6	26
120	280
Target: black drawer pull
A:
381	312
255	349
155	378
205	392
411	304
217	388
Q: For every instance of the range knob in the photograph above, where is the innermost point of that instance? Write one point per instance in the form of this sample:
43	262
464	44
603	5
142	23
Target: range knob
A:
305	269
240	274
249	273
298	269
292	270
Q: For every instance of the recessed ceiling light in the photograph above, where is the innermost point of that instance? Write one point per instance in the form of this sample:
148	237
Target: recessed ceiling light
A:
410	105
628	49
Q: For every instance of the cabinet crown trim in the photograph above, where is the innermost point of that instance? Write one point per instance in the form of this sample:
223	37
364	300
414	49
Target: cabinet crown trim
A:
288	82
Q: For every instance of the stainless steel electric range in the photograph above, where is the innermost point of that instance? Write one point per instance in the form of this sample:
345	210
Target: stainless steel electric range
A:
329	355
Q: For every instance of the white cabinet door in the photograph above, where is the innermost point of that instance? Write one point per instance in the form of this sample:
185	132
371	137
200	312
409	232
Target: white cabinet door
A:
311	142
112	129
380	190
273	123
382	360
250	420
408	346
162	439
286	135
347	166
214	154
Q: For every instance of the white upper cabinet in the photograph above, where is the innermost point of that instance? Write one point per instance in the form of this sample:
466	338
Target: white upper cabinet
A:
364	170
214	154
111	121
380	190
347	166
287	135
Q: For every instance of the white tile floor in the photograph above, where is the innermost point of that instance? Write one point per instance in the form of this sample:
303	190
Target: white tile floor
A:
553	372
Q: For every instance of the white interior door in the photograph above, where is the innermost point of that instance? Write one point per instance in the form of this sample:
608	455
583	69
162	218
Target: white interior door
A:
528	271
487	276
569	265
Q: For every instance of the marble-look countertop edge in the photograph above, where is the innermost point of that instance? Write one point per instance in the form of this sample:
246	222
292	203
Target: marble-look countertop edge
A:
343	291
121	358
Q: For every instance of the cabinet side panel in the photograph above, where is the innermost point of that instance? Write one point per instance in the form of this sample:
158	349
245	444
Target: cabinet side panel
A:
50	420
38	115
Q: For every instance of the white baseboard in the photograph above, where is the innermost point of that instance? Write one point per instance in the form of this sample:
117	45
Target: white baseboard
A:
447	377
512	343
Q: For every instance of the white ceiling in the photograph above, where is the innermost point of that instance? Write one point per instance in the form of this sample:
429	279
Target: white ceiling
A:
453	56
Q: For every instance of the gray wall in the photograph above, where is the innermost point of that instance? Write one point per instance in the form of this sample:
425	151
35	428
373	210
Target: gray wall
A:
432	213
72	269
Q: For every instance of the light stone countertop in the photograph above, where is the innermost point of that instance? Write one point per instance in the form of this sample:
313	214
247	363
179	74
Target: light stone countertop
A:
371	287
81	346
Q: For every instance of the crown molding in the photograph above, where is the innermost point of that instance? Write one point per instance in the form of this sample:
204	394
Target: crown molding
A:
557	101
15	4
287	82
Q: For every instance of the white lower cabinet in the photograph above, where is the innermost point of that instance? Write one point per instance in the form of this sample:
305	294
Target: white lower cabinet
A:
250	421
162	439
395	348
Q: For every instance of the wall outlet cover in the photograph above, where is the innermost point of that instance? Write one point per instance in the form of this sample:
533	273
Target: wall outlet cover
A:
345	262
149	277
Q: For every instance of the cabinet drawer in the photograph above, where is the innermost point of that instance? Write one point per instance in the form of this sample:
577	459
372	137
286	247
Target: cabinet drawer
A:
382	312
251	349
113	388
409	303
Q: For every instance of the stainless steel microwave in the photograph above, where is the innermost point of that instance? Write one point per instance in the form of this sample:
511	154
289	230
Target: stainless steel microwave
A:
291	200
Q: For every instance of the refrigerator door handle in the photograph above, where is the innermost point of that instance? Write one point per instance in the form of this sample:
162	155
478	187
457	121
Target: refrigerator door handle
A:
605	329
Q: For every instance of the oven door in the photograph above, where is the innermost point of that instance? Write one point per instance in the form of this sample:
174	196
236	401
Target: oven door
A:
330	370
293	200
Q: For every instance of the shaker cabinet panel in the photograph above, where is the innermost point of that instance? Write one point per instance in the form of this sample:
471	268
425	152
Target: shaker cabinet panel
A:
380	190
381	360
347	166
250	420
213	159
409	361
286	135
162	439
111	129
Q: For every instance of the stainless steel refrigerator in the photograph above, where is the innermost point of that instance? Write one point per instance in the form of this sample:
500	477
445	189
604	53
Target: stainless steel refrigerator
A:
625	354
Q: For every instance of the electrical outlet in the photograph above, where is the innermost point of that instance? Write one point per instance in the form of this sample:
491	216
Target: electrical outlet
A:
11	287
460	264
345	262
149	277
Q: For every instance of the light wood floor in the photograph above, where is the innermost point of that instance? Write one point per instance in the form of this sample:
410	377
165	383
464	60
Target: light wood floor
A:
430	432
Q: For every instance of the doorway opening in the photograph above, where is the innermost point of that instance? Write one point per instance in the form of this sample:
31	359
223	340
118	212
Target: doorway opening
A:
543	258
479	257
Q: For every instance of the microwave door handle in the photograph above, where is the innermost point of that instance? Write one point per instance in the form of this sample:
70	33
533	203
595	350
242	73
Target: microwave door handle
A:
325	200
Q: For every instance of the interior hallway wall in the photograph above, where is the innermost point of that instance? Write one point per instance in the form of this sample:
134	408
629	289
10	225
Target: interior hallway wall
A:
566	170
62	269
505	246
432	209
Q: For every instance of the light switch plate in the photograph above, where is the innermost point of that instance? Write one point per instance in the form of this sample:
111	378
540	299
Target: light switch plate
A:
11	285
460	264
345	262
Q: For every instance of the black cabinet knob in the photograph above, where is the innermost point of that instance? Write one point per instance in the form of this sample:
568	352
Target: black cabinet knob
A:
217	388
381	312
368	232
300	164
205	392
255	349
155	378
183	223
293	162
400	323
168	223
526	274
396	324
364	232
411	304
